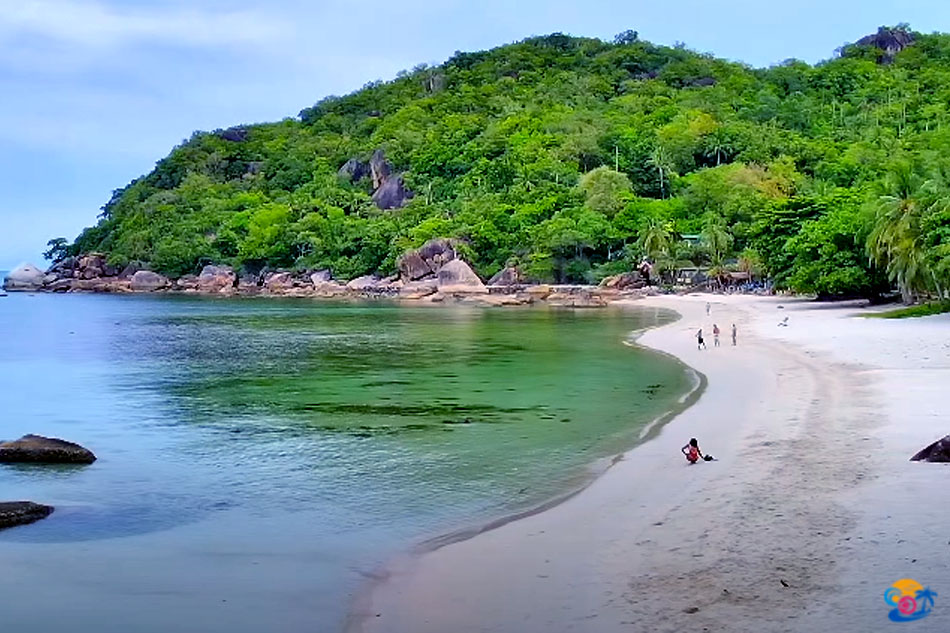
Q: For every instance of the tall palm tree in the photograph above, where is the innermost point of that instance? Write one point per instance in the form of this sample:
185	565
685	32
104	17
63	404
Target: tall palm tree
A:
655	238
716	237
896	240
661	160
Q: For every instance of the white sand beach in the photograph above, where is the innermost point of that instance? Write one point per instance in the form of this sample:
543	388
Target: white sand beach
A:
811	511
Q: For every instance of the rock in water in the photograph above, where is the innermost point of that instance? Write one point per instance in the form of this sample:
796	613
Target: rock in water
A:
22	512
216	279
147	281
44	450
458	277
24	277
939	451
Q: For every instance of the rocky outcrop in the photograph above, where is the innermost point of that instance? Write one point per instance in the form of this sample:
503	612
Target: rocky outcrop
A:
13	513
458	277
379	168
509	276
360	284
44	450
625	281
939	451
353	170
419	289
148	281
392	194
278	282
388	188
320	277
217	279
427	260
25	277
889	41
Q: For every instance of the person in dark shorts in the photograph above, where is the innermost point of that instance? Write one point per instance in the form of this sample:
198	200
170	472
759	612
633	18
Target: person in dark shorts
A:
700	342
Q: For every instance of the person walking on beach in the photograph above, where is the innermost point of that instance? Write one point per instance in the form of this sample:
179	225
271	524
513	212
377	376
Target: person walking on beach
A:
707	308
700	343
733	334
692	452
715	335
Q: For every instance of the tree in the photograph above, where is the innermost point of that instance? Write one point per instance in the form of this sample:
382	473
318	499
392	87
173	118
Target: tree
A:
661	160
58	249
896	240
606	191
655	238
716	238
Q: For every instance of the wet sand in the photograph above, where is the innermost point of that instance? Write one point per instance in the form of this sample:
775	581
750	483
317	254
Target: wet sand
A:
811	511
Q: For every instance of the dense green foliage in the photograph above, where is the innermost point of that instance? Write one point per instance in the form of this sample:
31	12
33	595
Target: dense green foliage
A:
573	158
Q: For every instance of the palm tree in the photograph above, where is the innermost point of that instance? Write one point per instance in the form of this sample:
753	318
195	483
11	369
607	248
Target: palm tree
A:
660	158
896	240
716	238
655	238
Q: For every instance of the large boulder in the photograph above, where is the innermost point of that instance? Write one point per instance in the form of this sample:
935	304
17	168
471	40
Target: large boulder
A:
217	279
426	260
14	513
360	284
278	282
91	266
353	170
509	276
24	277
458	277
379	168
44	450
939	451
320	277
148	281
392	193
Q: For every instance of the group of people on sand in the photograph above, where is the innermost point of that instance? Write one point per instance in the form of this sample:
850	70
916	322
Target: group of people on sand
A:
701	341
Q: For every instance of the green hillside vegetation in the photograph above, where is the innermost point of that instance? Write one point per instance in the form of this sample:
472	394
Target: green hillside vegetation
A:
572	158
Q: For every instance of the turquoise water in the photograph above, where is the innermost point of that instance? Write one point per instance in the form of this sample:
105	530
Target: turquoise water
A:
259	459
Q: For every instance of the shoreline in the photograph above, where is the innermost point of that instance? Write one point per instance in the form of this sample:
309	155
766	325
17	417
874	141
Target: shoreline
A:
361	601
766	539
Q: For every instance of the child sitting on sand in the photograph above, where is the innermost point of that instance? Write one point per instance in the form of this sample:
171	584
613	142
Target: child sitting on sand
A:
692	451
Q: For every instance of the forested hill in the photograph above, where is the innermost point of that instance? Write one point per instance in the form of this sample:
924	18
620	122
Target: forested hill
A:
573	158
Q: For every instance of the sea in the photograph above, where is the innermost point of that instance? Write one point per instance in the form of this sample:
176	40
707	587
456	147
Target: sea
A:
260	460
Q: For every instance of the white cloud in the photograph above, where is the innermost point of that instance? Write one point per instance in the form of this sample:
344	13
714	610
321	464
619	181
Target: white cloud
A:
98	26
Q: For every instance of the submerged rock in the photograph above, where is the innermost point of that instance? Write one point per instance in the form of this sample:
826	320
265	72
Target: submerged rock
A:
939	451
24	277
14	513
44	450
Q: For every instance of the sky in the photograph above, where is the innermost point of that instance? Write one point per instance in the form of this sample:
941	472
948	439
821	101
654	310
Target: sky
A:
94	92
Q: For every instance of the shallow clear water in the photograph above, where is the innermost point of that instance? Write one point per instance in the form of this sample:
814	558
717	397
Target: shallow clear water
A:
258	458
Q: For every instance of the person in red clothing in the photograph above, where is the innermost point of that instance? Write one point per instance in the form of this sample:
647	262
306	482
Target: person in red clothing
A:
692	452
